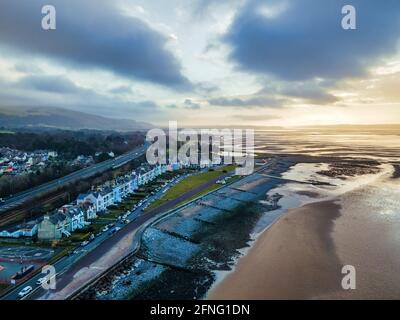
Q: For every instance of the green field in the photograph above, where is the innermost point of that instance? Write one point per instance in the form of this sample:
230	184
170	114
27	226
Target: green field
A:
3	287
191	182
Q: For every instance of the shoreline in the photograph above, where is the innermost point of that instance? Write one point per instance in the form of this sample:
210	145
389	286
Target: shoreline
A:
301	255
289	256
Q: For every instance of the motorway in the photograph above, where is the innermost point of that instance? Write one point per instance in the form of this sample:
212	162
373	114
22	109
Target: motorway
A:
42	189
90	258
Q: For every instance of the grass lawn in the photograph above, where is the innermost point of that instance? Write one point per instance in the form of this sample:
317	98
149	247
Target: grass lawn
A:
61	254
79	236
207	190
3	287
190	183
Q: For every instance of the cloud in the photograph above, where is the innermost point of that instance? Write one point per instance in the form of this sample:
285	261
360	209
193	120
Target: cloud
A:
189	104
257	117
54	84
26	68
253	101
122	90
58	91
91	34
206	88
313	92
303	39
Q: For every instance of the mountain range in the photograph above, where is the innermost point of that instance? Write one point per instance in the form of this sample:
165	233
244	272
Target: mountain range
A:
42	117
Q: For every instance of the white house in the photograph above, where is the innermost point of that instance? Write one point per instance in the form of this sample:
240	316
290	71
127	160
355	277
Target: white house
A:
108	196
96	198
75	216
28	229
53	227
63	222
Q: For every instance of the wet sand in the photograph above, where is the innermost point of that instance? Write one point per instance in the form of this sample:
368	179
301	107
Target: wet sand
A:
302	254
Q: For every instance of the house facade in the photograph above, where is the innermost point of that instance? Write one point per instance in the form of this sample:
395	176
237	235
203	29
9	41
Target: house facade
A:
53	227
23	230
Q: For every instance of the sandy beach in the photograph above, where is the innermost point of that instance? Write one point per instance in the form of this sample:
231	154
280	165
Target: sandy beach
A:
301	255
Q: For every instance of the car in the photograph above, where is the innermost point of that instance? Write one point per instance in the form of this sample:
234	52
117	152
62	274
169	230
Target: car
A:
84	243
25	291
40	281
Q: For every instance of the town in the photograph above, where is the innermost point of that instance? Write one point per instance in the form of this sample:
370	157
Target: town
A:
16	162
87	207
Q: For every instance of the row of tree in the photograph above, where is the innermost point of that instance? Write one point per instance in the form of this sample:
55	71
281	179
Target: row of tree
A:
70	144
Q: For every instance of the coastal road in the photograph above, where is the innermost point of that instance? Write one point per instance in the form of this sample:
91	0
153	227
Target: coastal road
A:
64	263
42	189
79	271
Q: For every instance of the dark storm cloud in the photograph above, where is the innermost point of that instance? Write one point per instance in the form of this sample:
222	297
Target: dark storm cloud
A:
91	34
306	39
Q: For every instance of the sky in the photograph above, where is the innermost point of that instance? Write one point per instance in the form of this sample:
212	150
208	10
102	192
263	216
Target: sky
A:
205	62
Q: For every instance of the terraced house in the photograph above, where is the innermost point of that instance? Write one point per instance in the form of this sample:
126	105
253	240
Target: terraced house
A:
64	221
77	215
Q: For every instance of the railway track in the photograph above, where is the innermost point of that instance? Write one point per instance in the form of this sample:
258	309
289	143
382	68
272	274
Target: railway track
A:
19	214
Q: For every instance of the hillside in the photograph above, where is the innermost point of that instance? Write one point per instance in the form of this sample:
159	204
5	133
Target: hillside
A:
17	117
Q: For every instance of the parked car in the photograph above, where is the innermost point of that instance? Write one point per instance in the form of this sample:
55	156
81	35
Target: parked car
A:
84	243
25	291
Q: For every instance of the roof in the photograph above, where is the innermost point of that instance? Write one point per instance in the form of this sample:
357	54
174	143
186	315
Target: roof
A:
106	190
82	196
57	217
73	212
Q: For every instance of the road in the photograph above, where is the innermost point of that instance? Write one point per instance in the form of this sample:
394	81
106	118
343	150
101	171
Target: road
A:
42	189
90	258
66	262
